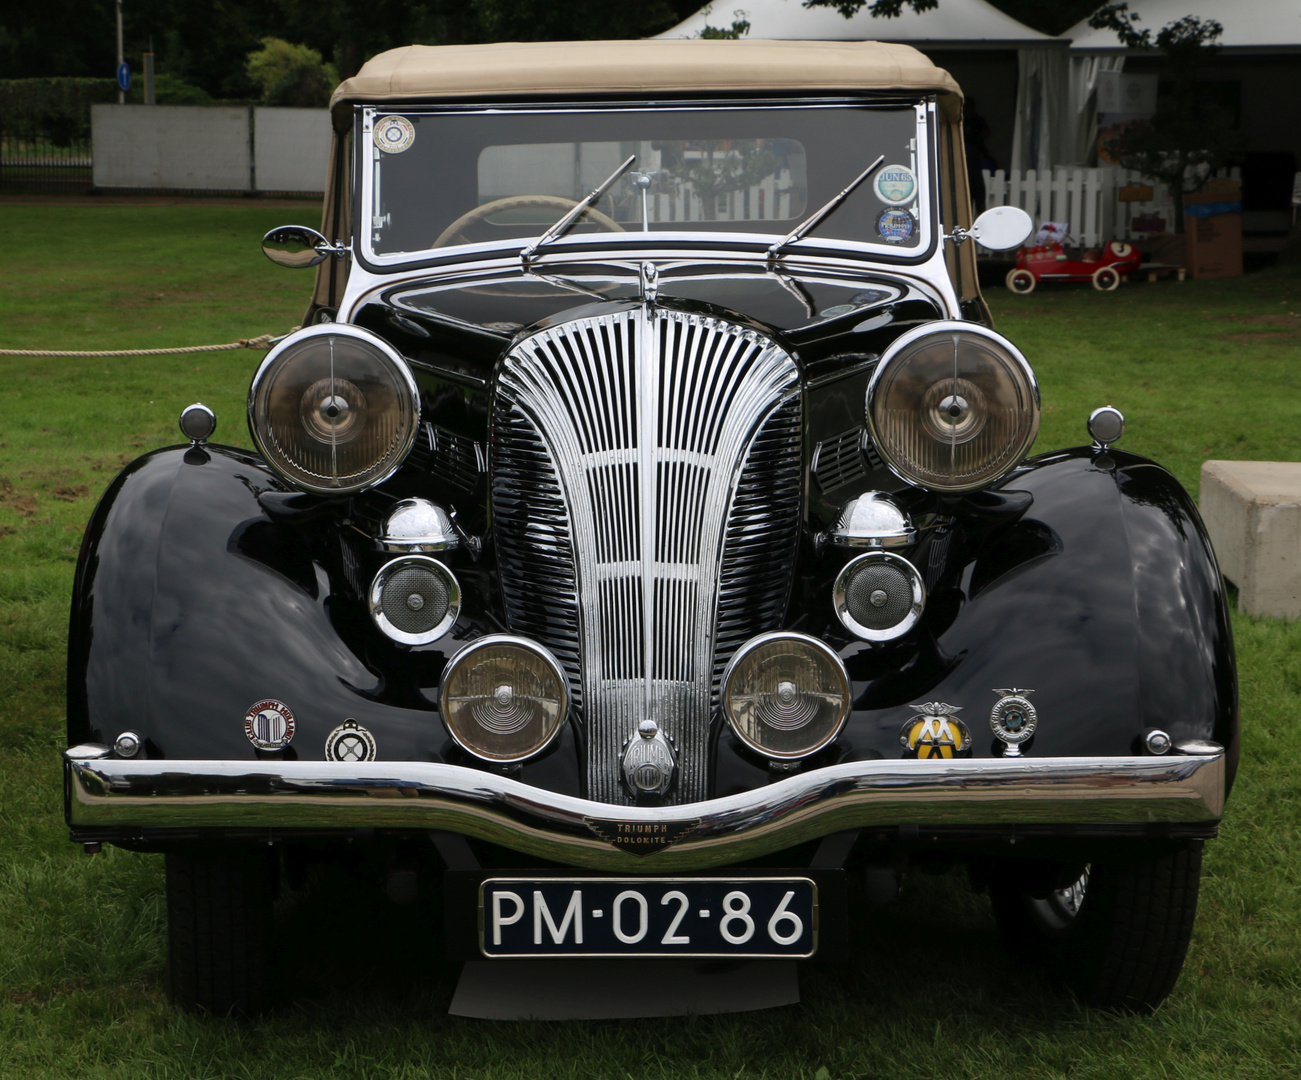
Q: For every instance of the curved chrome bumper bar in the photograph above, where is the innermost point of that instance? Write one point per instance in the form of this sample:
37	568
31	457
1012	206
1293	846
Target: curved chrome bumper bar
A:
111	793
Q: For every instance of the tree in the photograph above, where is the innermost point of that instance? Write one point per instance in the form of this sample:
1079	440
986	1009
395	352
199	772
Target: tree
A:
1190	135
292	75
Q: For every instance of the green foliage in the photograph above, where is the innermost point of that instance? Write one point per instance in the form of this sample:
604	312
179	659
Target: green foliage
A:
879	9
51	110
292	75
1190	135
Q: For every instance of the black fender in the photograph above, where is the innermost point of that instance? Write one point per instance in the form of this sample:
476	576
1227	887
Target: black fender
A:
1103	597
191	604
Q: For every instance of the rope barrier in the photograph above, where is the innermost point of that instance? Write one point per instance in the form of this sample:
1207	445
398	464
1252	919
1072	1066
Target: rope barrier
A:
262	342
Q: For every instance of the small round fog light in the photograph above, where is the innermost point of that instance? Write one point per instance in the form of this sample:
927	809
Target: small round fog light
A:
879	596
415	599
504	698
198	422
786	695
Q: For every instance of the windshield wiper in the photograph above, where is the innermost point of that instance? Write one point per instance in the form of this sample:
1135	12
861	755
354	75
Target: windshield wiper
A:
811	223
562	226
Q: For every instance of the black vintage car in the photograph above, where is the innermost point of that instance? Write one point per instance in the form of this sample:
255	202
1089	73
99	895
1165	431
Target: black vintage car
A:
641	540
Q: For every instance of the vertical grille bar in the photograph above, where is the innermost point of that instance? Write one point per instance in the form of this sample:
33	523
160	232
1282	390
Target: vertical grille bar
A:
646	502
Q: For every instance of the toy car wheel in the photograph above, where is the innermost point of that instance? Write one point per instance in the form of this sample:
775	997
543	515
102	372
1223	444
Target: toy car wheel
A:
1115	934
1021	281
218	929
1105	279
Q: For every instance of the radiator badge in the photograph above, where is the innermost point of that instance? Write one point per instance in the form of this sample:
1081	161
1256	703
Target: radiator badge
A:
269	725
935	732
1013	719
641	837
350	742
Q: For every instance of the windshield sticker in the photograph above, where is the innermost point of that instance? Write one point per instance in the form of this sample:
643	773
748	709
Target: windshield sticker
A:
394	134
895	184
895	226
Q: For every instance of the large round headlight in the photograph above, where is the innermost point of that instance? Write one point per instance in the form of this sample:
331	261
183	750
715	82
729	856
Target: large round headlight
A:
952	406
334	409
504	698
785	695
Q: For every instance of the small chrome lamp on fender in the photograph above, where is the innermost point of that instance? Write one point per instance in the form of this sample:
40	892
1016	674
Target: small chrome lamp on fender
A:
786	695
952	407
872	520
504	698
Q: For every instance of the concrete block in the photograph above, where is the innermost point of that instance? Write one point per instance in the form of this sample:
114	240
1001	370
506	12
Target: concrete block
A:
1252	511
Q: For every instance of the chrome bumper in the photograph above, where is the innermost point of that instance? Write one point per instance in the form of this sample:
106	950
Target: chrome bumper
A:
111	793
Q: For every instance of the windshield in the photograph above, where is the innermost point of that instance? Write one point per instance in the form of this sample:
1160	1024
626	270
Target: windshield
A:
438	179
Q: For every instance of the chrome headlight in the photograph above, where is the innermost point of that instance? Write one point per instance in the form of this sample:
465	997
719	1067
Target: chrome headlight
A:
334	409
504	698
952	406
786	695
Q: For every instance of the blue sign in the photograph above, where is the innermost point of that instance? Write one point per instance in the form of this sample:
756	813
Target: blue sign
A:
124	75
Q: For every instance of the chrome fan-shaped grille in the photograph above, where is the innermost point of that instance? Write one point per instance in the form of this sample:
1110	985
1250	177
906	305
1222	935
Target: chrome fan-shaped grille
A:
646	506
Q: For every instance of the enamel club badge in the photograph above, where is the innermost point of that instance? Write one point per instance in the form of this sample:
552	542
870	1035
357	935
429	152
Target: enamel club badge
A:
935	732
269	725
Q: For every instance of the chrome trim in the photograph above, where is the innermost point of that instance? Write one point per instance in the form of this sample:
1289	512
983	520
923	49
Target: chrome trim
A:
526	645
872	520
811	643
940	328
401	370
900	628
1103	791
127	744
436	631
418	525
660	451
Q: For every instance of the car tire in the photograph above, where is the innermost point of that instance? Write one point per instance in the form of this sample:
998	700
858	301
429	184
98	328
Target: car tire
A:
1021	281
219	912
1106	279
1116	935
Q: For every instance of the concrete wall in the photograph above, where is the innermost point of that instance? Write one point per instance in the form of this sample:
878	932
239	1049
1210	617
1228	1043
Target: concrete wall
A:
199	148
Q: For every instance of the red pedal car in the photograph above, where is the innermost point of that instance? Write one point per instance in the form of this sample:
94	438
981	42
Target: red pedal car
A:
1054	261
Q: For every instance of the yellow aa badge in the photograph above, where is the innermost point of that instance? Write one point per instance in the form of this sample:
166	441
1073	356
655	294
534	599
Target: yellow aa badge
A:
936	732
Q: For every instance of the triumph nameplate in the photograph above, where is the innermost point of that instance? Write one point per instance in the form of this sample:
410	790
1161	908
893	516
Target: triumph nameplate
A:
641	837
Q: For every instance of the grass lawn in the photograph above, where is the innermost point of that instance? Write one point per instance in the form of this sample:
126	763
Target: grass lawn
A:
1200	369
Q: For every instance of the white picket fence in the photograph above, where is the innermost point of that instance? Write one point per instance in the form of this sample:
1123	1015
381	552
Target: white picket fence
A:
1088	200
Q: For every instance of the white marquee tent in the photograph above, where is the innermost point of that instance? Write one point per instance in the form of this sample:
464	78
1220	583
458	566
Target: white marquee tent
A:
1044	104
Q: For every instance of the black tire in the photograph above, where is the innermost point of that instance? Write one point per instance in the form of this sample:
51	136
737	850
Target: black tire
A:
1115	934
219	911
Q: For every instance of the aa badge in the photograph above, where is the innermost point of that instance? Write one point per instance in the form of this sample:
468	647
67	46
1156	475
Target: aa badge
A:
350	742
1013	719
936	732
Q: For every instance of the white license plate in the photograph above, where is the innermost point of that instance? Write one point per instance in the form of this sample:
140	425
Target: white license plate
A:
689	917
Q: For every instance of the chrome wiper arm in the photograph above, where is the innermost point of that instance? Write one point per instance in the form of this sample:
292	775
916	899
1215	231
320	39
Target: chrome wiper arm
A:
562	226
808	224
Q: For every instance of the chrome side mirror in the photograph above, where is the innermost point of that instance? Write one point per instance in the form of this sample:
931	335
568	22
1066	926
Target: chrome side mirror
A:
1000	228
298	247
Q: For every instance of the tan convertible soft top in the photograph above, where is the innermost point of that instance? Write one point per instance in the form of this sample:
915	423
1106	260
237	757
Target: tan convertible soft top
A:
531	68
517	70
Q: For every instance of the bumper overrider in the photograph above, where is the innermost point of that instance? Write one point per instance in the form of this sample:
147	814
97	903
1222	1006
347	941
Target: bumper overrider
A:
146	801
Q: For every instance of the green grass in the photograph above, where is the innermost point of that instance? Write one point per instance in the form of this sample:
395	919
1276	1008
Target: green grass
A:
1201	370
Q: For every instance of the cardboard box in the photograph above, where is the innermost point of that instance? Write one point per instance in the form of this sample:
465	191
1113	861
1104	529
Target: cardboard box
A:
1213	225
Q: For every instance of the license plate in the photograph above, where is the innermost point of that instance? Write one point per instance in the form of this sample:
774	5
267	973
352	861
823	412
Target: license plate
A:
690	917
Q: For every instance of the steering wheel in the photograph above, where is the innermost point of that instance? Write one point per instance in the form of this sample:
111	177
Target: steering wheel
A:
515	202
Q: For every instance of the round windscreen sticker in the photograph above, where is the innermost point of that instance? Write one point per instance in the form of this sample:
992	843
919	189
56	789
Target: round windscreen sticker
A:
895	226
394	134
895	184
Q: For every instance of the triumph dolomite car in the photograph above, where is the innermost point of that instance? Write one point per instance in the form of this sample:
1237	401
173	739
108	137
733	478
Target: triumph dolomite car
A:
640	542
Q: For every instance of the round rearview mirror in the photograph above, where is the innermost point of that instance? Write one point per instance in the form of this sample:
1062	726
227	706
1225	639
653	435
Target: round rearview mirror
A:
295	246
1001	228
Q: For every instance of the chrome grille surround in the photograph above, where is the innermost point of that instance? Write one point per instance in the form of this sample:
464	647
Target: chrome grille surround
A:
646	496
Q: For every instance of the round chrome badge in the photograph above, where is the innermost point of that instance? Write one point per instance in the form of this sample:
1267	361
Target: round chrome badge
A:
350	742
269	725
393	134
1013	719
936	732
